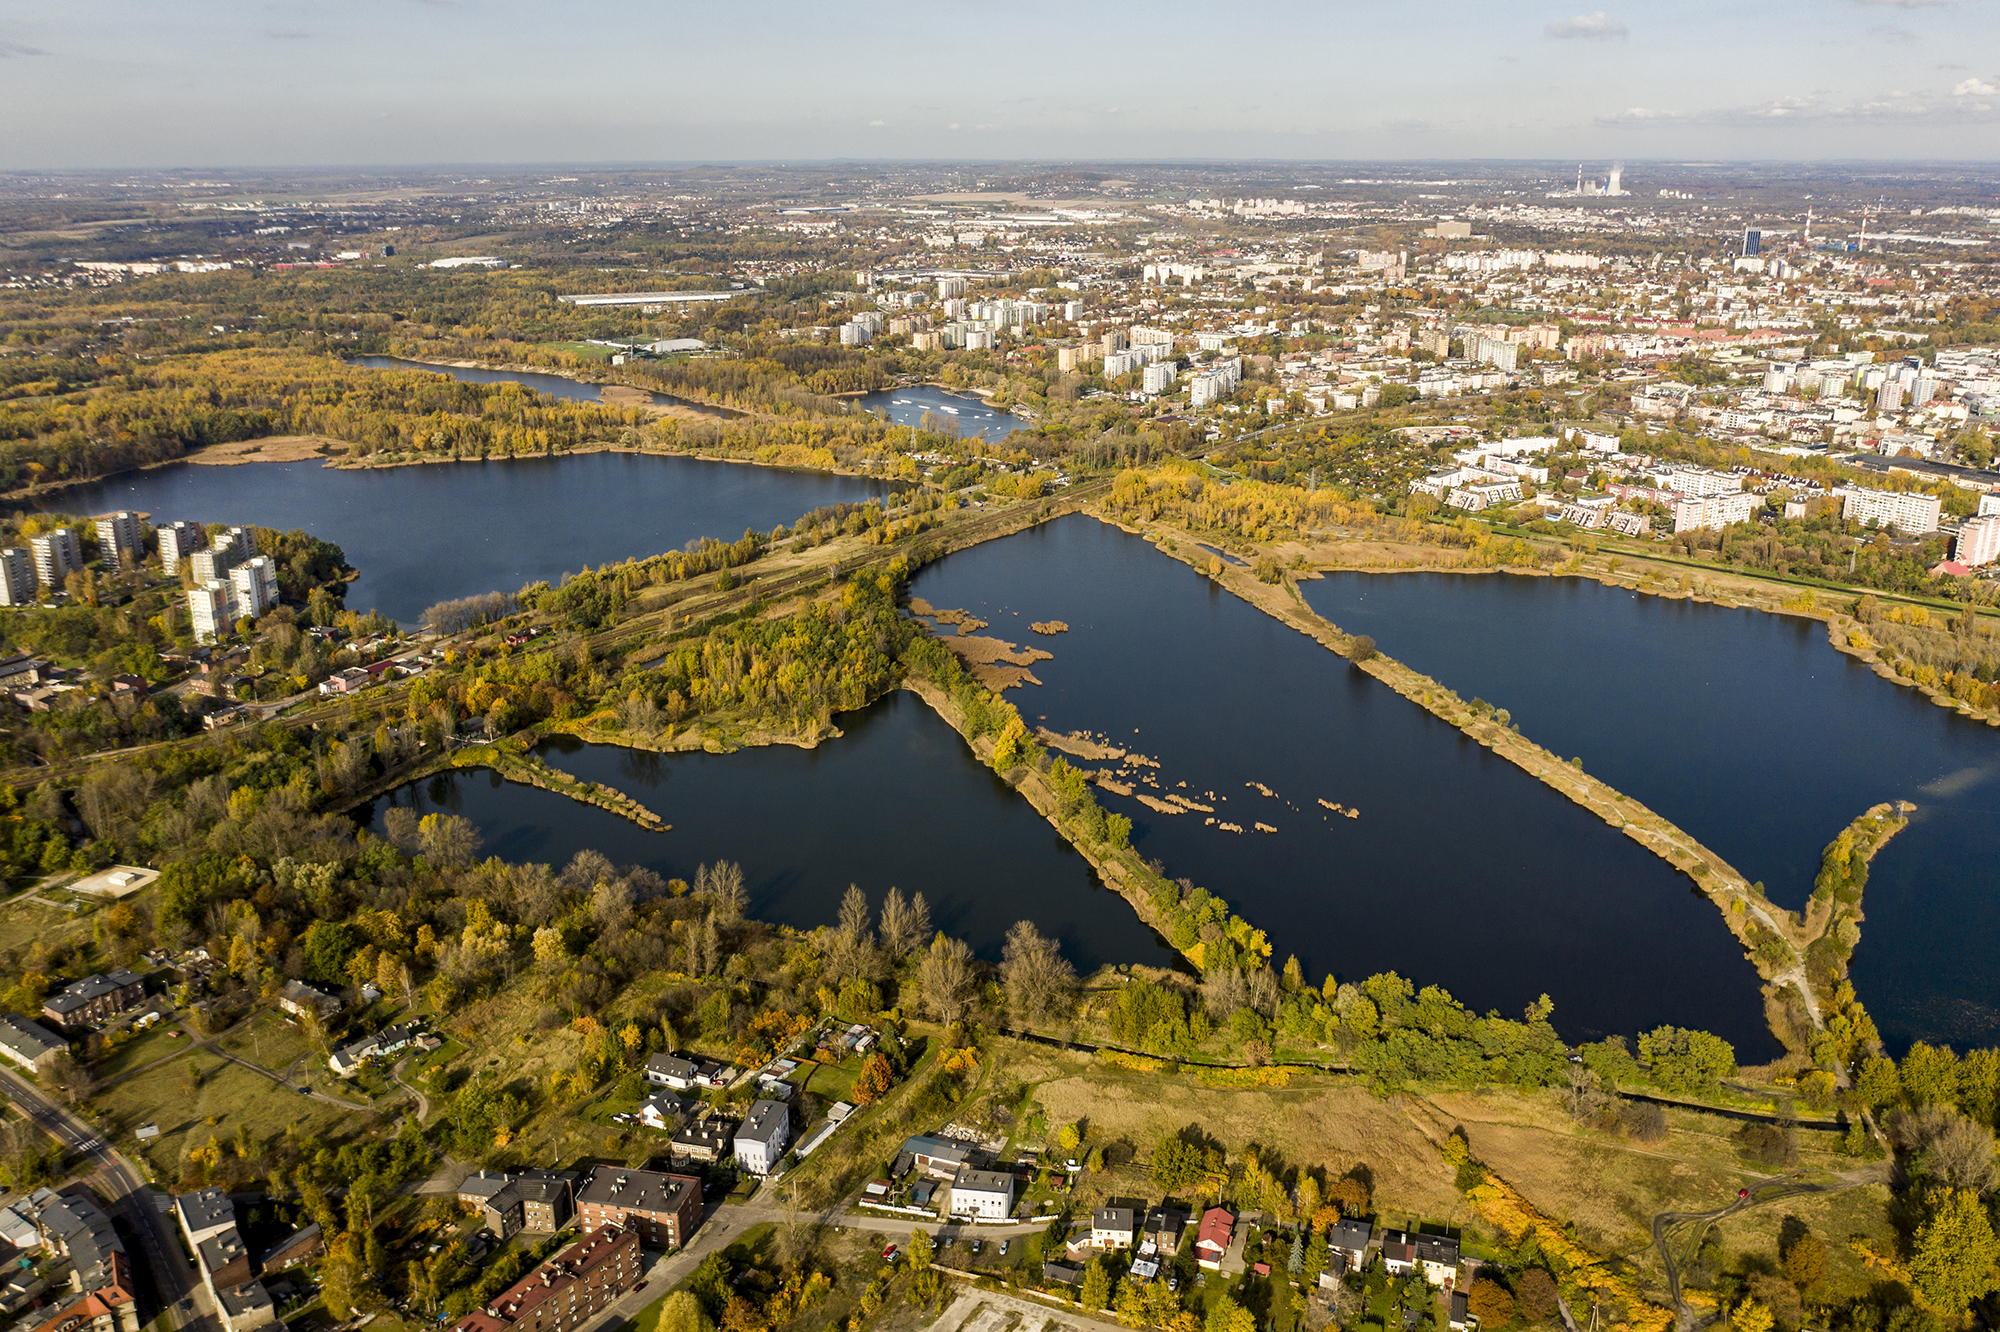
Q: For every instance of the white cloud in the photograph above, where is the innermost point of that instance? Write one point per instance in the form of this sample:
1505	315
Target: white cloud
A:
1974	88
877	124
1905	4
1600	27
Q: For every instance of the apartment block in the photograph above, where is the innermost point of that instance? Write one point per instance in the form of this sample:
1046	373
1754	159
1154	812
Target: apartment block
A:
120	540
1978	541
17	576
567	1291
662	1210
1908	512
212	607
178	543
255	585
57	555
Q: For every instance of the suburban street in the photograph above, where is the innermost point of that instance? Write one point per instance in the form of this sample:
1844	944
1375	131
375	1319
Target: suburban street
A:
126	1195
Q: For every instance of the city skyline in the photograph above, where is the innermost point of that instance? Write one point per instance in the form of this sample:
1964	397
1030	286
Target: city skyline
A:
404	82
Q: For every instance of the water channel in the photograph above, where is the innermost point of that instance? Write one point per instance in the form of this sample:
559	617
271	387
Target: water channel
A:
1461	870
421	534
964	412
1750	731
896	801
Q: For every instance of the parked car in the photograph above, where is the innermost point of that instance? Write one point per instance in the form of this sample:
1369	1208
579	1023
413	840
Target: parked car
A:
889	1254
1004	1246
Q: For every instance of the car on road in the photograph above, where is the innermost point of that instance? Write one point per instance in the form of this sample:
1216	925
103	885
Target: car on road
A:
305	1091
638	1287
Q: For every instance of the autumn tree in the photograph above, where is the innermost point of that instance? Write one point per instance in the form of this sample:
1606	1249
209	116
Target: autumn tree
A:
1954	1252
1535	1293
945	978
1491	1303
1038	980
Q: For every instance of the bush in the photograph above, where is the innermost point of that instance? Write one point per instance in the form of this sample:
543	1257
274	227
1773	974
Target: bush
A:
1361	648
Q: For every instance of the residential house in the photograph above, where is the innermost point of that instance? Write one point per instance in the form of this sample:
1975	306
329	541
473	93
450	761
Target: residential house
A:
208	1220
1163	1230
1461	1315
1436	1256
94	999
384	1044
302	1245
539	1201
567	1291
477	1188
1349	1238
940	1158
1211	1241
707	1139
1111	1228
665	1070
663	1111
29	1044
298	998
761	1138
1061	1274
982	1194
662	1210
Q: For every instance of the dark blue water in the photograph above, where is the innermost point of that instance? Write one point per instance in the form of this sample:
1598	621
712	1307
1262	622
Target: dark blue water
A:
1752	733
897	801
422	534
1462	871
555	385
970	414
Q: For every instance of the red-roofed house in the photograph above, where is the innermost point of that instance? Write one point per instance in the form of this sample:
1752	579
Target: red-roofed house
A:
567	1291
1212	1241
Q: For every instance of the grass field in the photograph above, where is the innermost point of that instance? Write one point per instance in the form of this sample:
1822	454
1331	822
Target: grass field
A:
226	1097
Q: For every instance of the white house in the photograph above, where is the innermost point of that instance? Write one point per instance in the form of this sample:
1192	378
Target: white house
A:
761	1139
982	1194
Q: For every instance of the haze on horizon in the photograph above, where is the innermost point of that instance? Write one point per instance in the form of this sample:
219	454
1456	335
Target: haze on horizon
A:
115	83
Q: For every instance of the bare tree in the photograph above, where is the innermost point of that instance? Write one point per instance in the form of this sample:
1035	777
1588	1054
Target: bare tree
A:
449	840
945	978
1038	979
731	894
903	925
1947	1146
1224	991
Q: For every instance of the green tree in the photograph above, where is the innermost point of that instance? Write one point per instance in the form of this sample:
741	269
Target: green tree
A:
1690	1062
921	1251
1805	1262
1930	1075
1750	1316
1095	1292
1954	1252
1878	1083
682	1312
1069	1138
1226	1315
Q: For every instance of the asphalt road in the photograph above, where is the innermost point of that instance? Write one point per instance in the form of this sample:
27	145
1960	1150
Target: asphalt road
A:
126	1195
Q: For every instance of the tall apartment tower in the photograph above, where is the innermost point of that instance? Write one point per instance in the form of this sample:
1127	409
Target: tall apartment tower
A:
213	564
243	542
1753	241
119	539
178	542
58	554
212	609
952	286
255	585
17	577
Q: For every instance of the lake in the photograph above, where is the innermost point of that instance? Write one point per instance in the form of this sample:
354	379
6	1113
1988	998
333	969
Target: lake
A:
423	533
569	390
897	801
1750	731
967	413
1461	871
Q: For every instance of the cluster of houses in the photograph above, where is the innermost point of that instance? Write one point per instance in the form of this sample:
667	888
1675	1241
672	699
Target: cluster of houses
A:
71	1226
387	1043
1350	1244
703	1135
78	1007
951	1176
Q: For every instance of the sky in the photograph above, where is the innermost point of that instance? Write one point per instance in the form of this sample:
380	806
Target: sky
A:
120	83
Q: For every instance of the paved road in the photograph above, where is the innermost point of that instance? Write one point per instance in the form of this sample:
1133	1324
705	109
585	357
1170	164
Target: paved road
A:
127	1194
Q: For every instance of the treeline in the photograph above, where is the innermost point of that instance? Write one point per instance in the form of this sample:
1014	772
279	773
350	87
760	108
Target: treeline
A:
456	615
157	410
